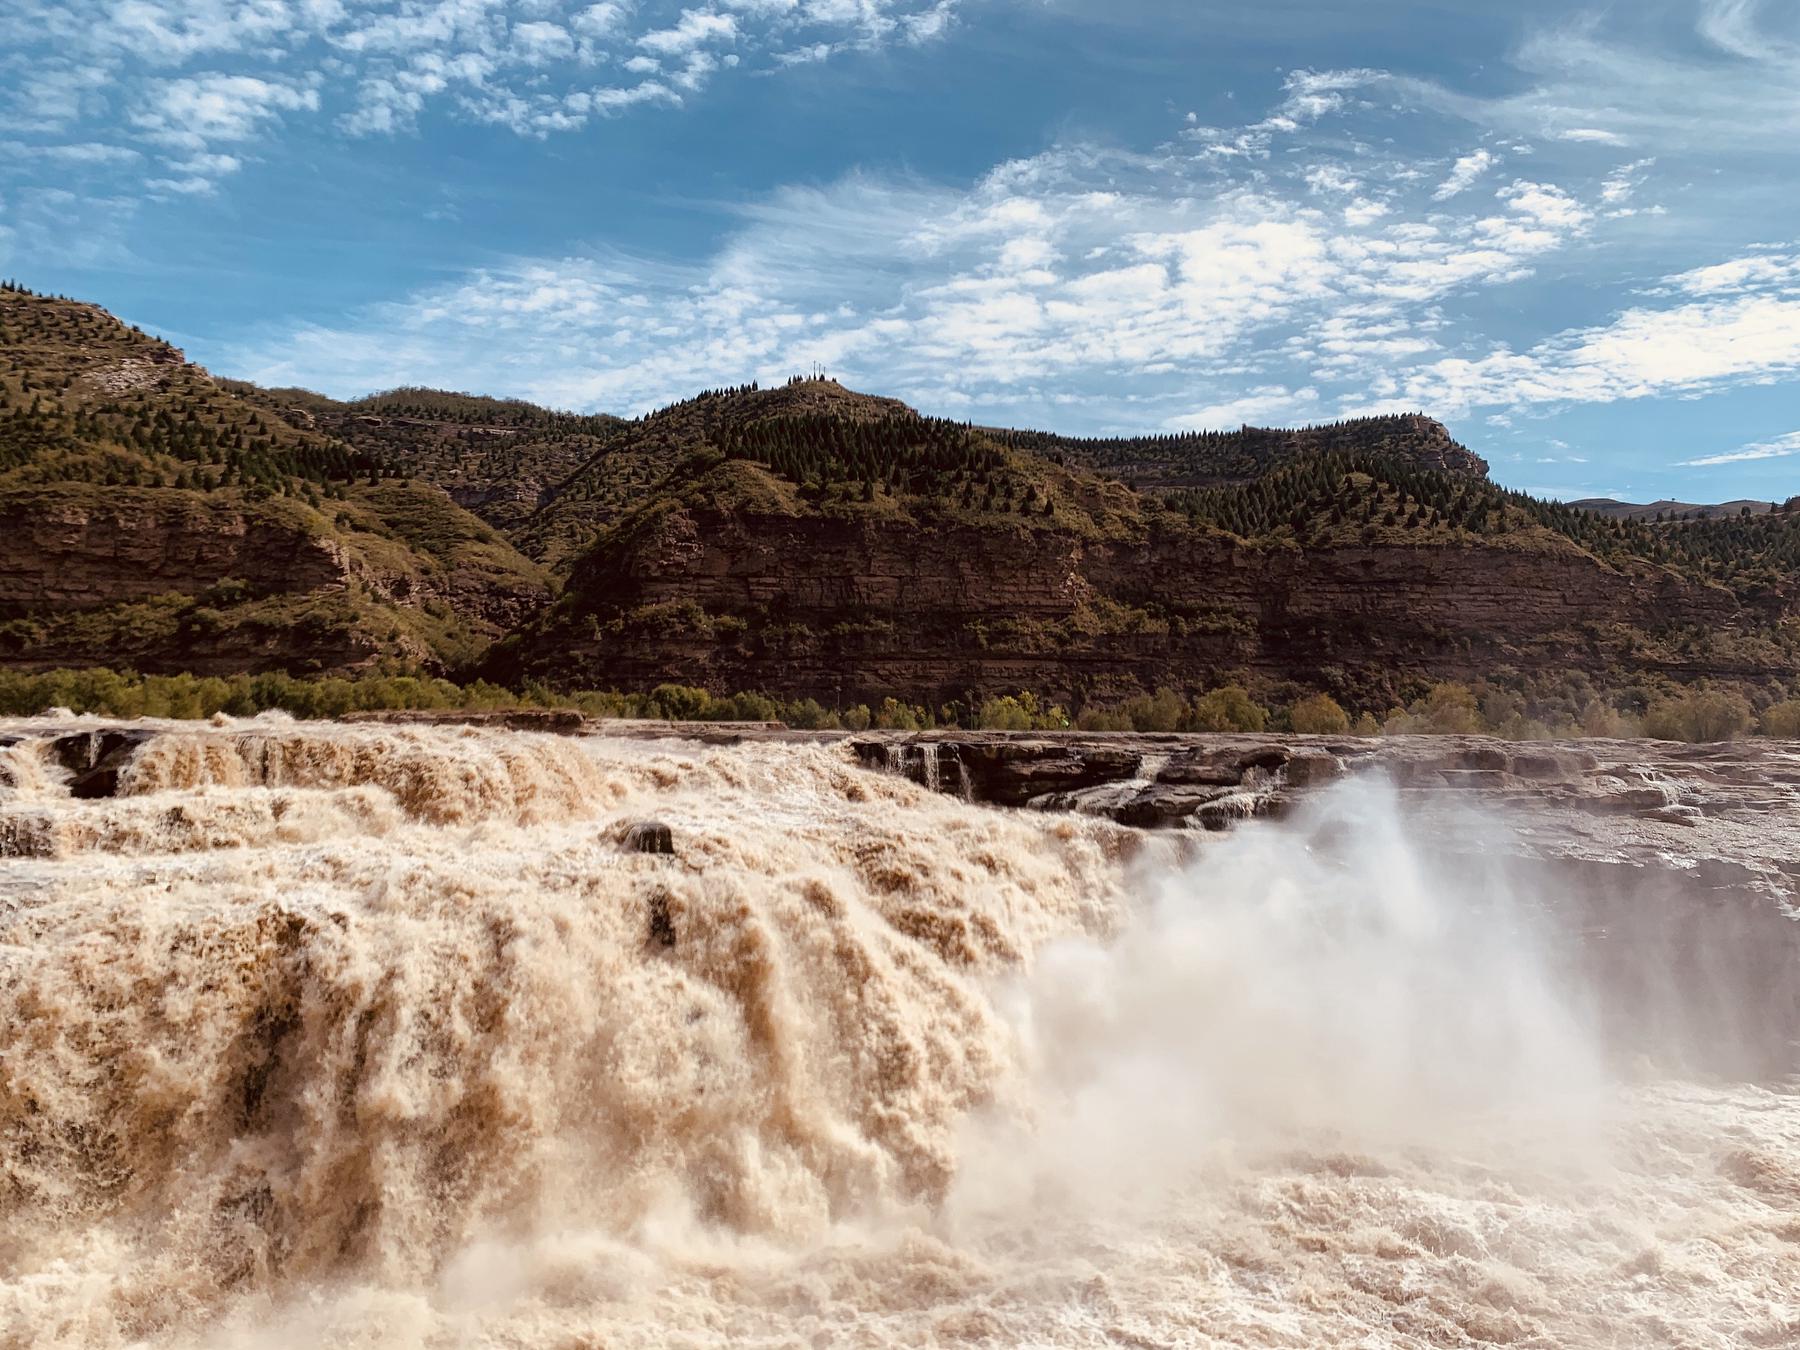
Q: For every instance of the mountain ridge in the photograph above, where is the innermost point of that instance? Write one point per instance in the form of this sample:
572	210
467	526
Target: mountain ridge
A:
809	539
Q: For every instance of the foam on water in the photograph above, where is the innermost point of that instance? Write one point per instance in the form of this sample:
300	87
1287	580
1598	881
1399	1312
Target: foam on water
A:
371	1036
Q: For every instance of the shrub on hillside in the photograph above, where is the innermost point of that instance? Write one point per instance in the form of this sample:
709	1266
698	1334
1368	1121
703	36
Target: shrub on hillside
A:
1447	710
1700	715
1318	715
1228	709
680	702
893	715
1782	720
1601	719
1019	712
1165	710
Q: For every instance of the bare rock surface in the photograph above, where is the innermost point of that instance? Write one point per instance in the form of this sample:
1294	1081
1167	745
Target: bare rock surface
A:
1724	816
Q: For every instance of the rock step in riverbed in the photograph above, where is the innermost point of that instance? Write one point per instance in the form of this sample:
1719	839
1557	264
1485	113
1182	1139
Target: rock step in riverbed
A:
1727	815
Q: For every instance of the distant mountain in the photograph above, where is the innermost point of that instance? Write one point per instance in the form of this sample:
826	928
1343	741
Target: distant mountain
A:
503	459
807	539
1671	510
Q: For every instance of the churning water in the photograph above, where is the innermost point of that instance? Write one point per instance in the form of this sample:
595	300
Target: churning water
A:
376	1037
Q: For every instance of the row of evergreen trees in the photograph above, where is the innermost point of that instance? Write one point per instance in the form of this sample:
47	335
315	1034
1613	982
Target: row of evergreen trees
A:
1217	454
475	410
109	443
923	454
1358	488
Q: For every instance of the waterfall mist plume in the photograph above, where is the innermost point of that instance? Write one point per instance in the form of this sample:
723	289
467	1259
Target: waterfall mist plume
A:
376	1036
1322	978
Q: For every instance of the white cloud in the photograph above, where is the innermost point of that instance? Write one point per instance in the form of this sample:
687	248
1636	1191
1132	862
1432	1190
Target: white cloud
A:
1643	353
697	27
1590	135
1301	264
191	113
1623	182
1774	271
1331	178
1618	76
1545	204
169	33
617	100
1273	404
1464	173
522	64
540	42
1151	276
602	20
192	186
75	153
1779	448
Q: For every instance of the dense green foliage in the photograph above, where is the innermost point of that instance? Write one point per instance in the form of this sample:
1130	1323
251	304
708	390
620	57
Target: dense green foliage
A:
85	399
478	410
1706	714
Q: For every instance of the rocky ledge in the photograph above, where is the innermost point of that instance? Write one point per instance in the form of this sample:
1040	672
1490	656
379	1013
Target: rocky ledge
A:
1674	868
1726	816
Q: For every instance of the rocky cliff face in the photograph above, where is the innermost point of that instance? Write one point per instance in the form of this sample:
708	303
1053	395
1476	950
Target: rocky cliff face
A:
155	517
72	548
853	608
162	579
809	539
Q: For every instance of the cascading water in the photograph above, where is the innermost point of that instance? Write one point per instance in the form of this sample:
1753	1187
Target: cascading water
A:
928	765
363	1036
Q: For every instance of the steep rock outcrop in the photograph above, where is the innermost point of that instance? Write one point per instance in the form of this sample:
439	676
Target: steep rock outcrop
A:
71	547
847	608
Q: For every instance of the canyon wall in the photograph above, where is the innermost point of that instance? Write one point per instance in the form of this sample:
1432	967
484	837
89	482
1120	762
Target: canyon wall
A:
75	547
849	608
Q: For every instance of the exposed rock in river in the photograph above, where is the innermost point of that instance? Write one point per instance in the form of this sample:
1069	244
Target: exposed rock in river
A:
1728	815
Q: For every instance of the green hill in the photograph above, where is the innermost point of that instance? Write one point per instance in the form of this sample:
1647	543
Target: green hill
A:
158	517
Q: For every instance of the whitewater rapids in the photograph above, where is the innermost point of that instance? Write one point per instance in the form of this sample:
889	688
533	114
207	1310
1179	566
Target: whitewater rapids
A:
364	1036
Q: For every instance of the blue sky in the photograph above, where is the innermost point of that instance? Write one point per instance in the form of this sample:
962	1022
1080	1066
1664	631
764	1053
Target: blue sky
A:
1573	233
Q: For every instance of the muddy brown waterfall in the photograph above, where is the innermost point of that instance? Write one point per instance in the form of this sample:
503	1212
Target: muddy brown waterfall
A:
382	1036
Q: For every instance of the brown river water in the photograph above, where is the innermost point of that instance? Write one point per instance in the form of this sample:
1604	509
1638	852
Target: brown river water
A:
370	1036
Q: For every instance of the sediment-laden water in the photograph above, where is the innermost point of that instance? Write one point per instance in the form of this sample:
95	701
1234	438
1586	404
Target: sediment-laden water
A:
378	1036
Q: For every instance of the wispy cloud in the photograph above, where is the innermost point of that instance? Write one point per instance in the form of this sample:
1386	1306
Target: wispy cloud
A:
1625	76
1464	173
1200	289
1779	448
187	73
1750	335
